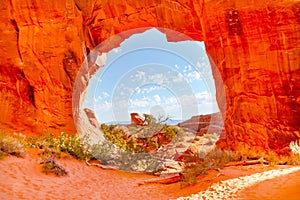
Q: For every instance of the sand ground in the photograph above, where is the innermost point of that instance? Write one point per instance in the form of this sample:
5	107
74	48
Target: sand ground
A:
22	178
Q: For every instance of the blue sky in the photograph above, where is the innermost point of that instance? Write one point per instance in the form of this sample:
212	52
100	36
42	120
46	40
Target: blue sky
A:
148	74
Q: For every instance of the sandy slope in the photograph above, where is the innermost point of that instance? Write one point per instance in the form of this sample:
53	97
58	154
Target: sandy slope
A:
22	178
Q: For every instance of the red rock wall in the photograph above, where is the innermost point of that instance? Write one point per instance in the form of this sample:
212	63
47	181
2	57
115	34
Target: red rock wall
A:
40	56
256	50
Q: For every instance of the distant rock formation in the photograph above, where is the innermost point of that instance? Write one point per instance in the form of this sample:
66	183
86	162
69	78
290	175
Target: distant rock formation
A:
202	124
136	119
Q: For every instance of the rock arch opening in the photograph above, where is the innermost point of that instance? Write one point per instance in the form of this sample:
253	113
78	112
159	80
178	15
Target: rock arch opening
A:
147	75
146	64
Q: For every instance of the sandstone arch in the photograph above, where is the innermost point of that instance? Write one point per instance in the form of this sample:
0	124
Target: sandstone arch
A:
256	50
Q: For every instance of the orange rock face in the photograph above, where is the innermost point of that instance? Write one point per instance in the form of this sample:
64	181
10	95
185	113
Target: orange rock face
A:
41	53
136	119
256	48
254	45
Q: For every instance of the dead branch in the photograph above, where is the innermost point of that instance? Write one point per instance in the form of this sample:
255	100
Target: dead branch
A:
247	162
102	166
170	180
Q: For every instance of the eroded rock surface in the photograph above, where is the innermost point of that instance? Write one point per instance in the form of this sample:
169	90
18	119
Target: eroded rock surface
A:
203	124
254	45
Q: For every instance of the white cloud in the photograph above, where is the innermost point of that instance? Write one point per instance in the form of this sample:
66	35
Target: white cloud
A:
105	94
138	90
192	76
137	103
179	78
140	75
187	100
156	99
203	97
103	107
200	64
147	90
171	100
124	89
187	68
157	78
208	107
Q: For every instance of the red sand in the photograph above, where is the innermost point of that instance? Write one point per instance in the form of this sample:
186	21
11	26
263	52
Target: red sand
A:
22	178
280	188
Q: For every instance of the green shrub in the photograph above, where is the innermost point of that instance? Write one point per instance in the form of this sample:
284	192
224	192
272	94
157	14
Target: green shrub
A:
11	145
195	166
218	158
146	140
102	152
70	144
44	140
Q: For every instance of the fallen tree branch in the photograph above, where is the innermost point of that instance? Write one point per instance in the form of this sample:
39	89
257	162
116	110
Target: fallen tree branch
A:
173	179
102	166
247	162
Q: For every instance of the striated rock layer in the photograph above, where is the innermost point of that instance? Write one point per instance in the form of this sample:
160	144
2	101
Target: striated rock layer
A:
204	124
254	45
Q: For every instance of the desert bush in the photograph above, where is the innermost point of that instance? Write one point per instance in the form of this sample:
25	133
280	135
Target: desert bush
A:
12	145
211	137
115	135
142	139
138	162
244	152
218	158
70	144
73	145
195	166
293	159
272	158
108	153
103	152
49	163
41	141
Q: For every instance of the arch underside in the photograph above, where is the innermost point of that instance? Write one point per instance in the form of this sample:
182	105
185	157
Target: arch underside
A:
253	45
